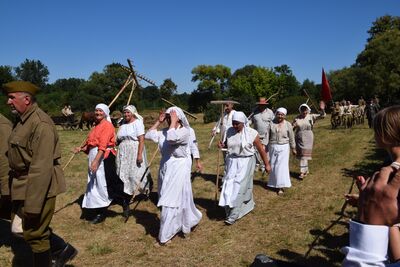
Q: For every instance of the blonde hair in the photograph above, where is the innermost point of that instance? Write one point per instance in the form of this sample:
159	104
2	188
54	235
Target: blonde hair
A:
387	126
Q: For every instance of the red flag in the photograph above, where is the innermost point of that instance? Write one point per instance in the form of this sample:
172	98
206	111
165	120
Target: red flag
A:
325	90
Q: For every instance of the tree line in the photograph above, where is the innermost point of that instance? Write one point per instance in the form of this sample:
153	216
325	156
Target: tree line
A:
376	71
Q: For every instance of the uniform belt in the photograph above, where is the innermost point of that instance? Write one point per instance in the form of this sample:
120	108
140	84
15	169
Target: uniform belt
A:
15	173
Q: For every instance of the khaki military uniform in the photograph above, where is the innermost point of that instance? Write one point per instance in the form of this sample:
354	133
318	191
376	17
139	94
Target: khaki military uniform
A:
5	131
37	177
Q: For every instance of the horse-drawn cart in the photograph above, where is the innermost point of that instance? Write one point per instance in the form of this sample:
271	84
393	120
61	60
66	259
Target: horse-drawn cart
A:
67	123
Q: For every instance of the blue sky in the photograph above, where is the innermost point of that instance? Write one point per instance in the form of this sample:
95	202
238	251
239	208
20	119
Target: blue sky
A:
167	39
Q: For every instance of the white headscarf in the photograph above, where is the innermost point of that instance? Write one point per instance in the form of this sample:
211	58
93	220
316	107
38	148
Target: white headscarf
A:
180	114
281	110
240	117
304	105
132	109
105	109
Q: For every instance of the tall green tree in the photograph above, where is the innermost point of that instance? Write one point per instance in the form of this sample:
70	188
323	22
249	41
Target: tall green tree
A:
6	74
211	78
286	81
33	71
168	88
382	25
253	81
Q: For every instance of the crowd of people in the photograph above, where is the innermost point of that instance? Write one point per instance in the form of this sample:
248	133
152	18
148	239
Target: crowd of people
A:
31	176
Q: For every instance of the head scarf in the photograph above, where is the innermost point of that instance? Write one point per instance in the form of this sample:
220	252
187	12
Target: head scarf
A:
240	117
281	110
180	114
132	109
105	109
304	105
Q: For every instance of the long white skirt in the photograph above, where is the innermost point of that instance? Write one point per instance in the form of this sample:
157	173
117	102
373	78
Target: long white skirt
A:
178	211
279	160
128	171
96	195
237	189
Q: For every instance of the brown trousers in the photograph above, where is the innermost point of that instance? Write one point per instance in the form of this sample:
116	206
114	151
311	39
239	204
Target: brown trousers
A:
36	231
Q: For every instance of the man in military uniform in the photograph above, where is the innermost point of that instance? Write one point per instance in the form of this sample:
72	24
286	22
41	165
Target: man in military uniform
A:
260	119
36	174
5	201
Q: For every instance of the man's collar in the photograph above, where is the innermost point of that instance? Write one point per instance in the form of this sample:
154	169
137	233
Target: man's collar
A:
28	112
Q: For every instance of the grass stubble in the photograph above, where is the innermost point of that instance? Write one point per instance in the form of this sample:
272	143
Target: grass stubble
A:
280	226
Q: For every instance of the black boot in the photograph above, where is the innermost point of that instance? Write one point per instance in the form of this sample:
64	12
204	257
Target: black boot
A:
125	208
42	259
100	217
64	256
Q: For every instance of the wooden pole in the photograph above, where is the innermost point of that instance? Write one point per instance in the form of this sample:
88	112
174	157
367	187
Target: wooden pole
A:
127	82
184	111
131	93
218	159
316	107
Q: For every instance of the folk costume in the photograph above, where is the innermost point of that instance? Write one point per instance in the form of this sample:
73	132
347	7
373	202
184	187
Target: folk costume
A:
101	137
128	170
237	189
178	211
304	137
280	139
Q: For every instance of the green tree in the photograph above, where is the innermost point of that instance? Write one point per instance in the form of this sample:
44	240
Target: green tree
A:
286	81
168	88
252	81
311	89
383	24
33	71
379	66
211	78
6	74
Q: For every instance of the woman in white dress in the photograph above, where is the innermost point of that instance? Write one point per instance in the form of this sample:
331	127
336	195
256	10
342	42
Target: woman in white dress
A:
237	189
178	212
280	140
131	158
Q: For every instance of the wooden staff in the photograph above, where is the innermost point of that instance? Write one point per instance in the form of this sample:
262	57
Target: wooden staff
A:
218	162
252	114
184	111
131	93
312	104
127	82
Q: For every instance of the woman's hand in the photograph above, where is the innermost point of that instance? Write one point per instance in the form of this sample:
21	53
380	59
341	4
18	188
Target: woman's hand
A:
294	152
94	166
161	116
268	168
139	160
77	150
221	144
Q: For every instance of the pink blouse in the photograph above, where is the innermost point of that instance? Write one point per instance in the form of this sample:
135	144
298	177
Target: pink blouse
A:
102	136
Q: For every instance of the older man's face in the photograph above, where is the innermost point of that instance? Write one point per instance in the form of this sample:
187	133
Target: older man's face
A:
18	102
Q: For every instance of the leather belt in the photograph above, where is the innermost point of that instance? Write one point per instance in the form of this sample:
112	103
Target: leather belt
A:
15	173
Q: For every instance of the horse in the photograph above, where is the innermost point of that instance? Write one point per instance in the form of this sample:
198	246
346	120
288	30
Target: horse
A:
87	117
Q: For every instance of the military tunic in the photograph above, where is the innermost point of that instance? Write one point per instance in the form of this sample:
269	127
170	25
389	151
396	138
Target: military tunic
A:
34	157
5	131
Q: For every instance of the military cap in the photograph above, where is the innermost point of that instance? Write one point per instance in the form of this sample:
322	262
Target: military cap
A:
20	86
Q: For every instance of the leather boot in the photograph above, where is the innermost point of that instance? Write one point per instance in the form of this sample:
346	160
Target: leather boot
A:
42	259
125	208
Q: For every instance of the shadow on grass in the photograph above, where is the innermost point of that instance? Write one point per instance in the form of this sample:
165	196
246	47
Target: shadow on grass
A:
149	221
329	244
213	211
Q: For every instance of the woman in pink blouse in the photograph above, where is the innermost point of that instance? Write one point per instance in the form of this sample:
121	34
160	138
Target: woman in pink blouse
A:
100	149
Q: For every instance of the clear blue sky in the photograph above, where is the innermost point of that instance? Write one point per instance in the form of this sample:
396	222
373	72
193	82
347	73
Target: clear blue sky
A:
167	39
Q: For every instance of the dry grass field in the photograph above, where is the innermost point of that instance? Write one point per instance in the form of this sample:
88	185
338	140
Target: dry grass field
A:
303	226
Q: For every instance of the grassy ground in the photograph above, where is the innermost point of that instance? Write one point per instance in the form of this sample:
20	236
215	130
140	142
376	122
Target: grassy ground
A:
283	227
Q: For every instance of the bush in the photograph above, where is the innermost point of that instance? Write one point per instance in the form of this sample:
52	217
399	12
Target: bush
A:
212	113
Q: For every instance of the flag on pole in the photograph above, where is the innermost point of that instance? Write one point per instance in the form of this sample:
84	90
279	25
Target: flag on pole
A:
325	90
